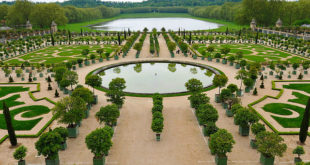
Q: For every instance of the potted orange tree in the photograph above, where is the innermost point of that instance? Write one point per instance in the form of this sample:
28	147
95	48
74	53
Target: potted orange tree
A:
99	142
270	144
244	118
49	145
20	154
70	110
221	142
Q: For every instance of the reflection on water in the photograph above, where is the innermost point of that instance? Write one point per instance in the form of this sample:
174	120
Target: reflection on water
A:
157	77
136	24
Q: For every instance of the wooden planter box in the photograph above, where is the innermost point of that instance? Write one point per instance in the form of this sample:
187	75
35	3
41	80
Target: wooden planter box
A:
158	137
229	113
266	160
244	131
22	162
97	161
237	66
52	161
253	144
220	160
73	132
217	98
63	146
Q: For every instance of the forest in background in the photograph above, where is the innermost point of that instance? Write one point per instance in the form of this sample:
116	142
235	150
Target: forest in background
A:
266	12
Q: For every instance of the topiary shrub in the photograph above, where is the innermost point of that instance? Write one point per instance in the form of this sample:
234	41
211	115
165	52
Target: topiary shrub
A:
20	154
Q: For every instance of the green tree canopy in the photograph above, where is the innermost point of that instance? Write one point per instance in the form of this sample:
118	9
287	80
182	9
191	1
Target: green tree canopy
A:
70	110
108	114
99	142
48	144
270	144
194	85
83	93
221	142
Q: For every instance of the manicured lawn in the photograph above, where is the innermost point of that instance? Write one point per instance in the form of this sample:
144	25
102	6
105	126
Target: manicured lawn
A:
300	98
281	109
14	89
60	54
28	112
251	52
11	101
301	87
76	27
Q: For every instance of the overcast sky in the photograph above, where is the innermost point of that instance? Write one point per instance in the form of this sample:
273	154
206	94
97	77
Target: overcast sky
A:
65	0
102	0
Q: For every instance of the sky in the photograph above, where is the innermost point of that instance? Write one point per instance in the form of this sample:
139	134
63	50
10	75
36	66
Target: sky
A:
102	0
64	0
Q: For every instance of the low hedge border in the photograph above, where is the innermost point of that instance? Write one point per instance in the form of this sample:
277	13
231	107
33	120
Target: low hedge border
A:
274	97
34	99
163	95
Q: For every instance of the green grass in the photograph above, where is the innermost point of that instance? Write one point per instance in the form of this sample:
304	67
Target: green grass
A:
11	101
300	86
14	89
28	112
300	98
281	109
264	53
65	53
76	27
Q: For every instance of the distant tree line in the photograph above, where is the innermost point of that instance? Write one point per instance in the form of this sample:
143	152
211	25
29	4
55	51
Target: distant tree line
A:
266	12
155	9
41	15
149	3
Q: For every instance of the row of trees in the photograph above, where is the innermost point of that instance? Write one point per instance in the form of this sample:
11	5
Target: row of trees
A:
157	119
42	15
266	12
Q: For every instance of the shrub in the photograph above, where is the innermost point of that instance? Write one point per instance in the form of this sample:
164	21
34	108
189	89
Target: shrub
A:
157	115
157	108
299	150
99	142
56	93
210	128
244	117
83	93
194	86
157	125
207	113
20	153
255	91
93	81
221	142
48	145
70	110
108	114
270	144
63	132
235	108
197	99
256	128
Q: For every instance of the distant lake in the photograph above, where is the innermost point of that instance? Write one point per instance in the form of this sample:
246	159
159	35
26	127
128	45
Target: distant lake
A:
174	24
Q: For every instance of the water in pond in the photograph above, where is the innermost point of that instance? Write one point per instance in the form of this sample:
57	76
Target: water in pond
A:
174	24
157	77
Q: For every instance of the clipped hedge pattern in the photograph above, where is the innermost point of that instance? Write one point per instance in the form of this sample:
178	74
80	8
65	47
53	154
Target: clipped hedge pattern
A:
34	99
274	97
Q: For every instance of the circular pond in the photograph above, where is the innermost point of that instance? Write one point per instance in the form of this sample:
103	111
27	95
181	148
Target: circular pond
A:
157	77
174	24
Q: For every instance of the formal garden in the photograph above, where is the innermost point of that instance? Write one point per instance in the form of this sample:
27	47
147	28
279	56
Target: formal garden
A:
95	92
